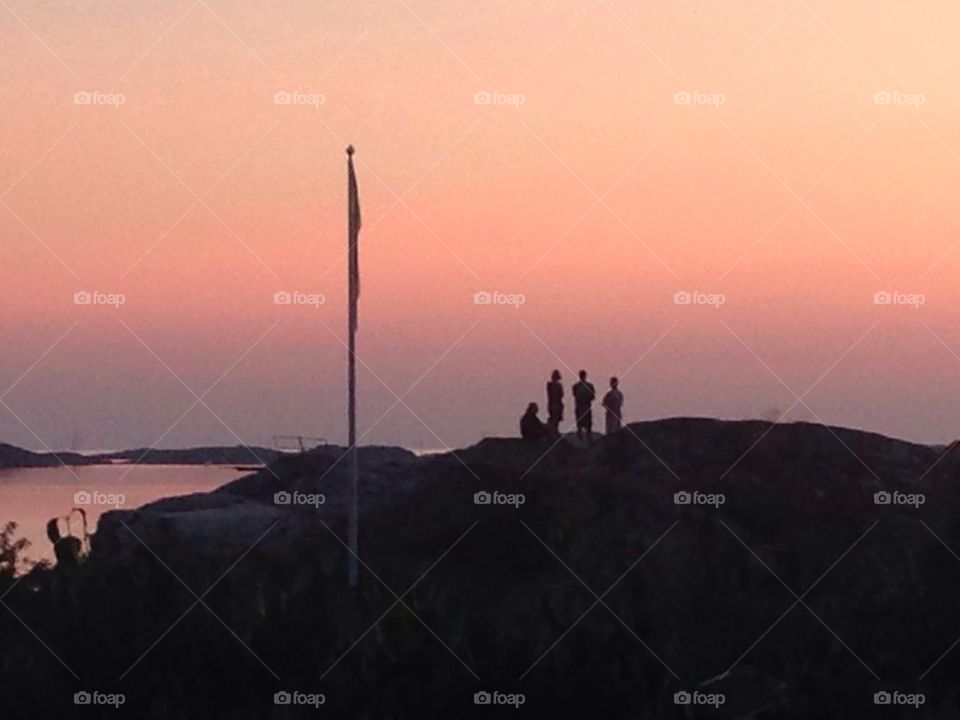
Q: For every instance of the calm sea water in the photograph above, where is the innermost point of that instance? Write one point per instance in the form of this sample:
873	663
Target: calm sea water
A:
32	496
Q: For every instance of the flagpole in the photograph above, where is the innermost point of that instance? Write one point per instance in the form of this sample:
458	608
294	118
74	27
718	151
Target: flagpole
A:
353	282
354	520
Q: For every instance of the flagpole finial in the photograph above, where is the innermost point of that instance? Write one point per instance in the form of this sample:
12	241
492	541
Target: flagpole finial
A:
350	150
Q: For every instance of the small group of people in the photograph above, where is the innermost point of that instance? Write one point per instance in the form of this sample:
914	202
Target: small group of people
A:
584	394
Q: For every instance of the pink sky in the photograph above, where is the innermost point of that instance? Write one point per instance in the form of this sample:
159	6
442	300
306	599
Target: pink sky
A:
787	185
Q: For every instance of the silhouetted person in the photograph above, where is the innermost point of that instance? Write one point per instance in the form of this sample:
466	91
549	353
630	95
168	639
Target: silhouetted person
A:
531	428
613	404
554	404
583	396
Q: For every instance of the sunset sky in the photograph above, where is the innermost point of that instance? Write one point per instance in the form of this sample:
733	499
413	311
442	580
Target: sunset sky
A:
789	160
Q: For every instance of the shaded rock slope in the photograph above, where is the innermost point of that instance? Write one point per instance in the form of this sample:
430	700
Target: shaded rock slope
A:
784	585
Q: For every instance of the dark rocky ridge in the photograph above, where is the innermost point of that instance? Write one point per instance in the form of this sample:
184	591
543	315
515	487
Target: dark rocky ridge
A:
14	457
693	590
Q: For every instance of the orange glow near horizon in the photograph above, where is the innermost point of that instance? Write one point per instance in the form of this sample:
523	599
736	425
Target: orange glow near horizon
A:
795	159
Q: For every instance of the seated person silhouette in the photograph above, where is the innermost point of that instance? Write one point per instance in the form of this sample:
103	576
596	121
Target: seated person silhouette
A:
532	429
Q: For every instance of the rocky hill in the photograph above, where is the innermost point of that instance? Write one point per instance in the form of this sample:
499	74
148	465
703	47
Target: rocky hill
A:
756	570
12	456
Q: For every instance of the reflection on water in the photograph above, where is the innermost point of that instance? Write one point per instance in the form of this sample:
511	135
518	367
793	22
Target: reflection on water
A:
31	496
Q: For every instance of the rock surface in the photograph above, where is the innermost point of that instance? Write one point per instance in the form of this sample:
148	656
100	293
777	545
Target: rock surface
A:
584	585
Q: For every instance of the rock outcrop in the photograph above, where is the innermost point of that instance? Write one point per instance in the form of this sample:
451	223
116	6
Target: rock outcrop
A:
795	570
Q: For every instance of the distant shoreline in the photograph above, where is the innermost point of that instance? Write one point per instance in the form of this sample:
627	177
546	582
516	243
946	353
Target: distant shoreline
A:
255	457
239	456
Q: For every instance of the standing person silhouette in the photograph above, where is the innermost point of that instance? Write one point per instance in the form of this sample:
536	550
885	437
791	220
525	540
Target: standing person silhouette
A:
554	404
583	396
613	404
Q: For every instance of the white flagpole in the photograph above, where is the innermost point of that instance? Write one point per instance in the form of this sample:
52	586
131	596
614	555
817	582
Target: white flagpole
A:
353	272
354	519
